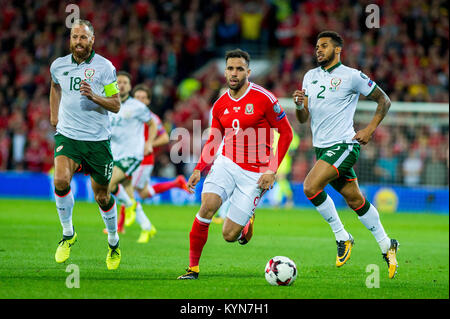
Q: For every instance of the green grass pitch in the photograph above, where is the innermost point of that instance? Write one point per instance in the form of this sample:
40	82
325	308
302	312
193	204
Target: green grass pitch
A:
30	231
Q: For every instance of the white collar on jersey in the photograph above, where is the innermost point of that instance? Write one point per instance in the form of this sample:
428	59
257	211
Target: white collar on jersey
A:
248	89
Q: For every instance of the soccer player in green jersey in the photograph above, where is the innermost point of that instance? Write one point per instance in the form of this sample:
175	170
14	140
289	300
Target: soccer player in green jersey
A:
83	91
329	96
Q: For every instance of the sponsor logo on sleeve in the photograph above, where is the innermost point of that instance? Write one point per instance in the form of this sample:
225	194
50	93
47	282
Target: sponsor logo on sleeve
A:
279	117
277	108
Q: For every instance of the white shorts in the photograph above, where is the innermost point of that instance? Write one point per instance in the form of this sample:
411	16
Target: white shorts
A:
230	181
141	176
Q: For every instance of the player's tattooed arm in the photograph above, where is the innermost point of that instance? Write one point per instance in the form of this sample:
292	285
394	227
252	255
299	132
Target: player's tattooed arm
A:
378	95
55	98
384	103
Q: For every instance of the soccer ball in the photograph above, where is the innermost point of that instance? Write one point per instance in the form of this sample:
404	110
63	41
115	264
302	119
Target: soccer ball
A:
280	271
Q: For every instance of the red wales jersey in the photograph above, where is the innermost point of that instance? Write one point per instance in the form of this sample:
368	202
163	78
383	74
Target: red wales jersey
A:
246	126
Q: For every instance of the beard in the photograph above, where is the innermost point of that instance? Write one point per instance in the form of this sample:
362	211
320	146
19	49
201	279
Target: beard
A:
237	86
124	95
326	61
81	55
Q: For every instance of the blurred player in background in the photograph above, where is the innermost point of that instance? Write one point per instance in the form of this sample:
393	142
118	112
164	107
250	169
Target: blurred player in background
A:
129	146
243	118
141	177
83	93
329	95
223	210
284	190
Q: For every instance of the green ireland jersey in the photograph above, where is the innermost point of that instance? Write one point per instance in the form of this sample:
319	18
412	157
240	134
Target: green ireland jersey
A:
332	98
78	117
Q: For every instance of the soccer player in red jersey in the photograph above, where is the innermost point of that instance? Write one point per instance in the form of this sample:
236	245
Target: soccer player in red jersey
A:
244	118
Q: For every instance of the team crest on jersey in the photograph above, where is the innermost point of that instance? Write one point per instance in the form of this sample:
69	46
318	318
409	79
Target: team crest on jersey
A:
335	82
59	148
88	74
249	109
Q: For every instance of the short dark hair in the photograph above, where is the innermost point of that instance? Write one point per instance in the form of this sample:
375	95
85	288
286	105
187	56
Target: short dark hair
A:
125	73
142	87
238	53
335	37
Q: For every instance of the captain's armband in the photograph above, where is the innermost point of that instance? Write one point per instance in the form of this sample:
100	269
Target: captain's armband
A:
111	89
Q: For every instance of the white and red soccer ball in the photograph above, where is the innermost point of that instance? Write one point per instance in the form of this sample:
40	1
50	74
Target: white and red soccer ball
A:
280	271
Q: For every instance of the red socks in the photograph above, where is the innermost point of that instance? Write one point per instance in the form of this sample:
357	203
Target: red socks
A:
197	238
164	186
121	221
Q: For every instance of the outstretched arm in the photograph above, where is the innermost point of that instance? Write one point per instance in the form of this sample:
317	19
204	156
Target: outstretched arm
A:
378	95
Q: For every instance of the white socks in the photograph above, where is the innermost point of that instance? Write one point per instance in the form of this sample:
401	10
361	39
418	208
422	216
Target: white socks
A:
329	213
110	220
141	218
203	220
371	220
64	205
151	190
122	196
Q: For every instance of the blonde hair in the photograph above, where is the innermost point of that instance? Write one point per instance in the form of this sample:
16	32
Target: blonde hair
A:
84	22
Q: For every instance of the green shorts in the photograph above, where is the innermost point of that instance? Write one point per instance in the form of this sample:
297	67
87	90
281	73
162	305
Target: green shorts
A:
128	165
342	157
95	157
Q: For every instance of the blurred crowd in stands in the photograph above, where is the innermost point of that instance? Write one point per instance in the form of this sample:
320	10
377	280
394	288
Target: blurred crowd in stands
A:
167	45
